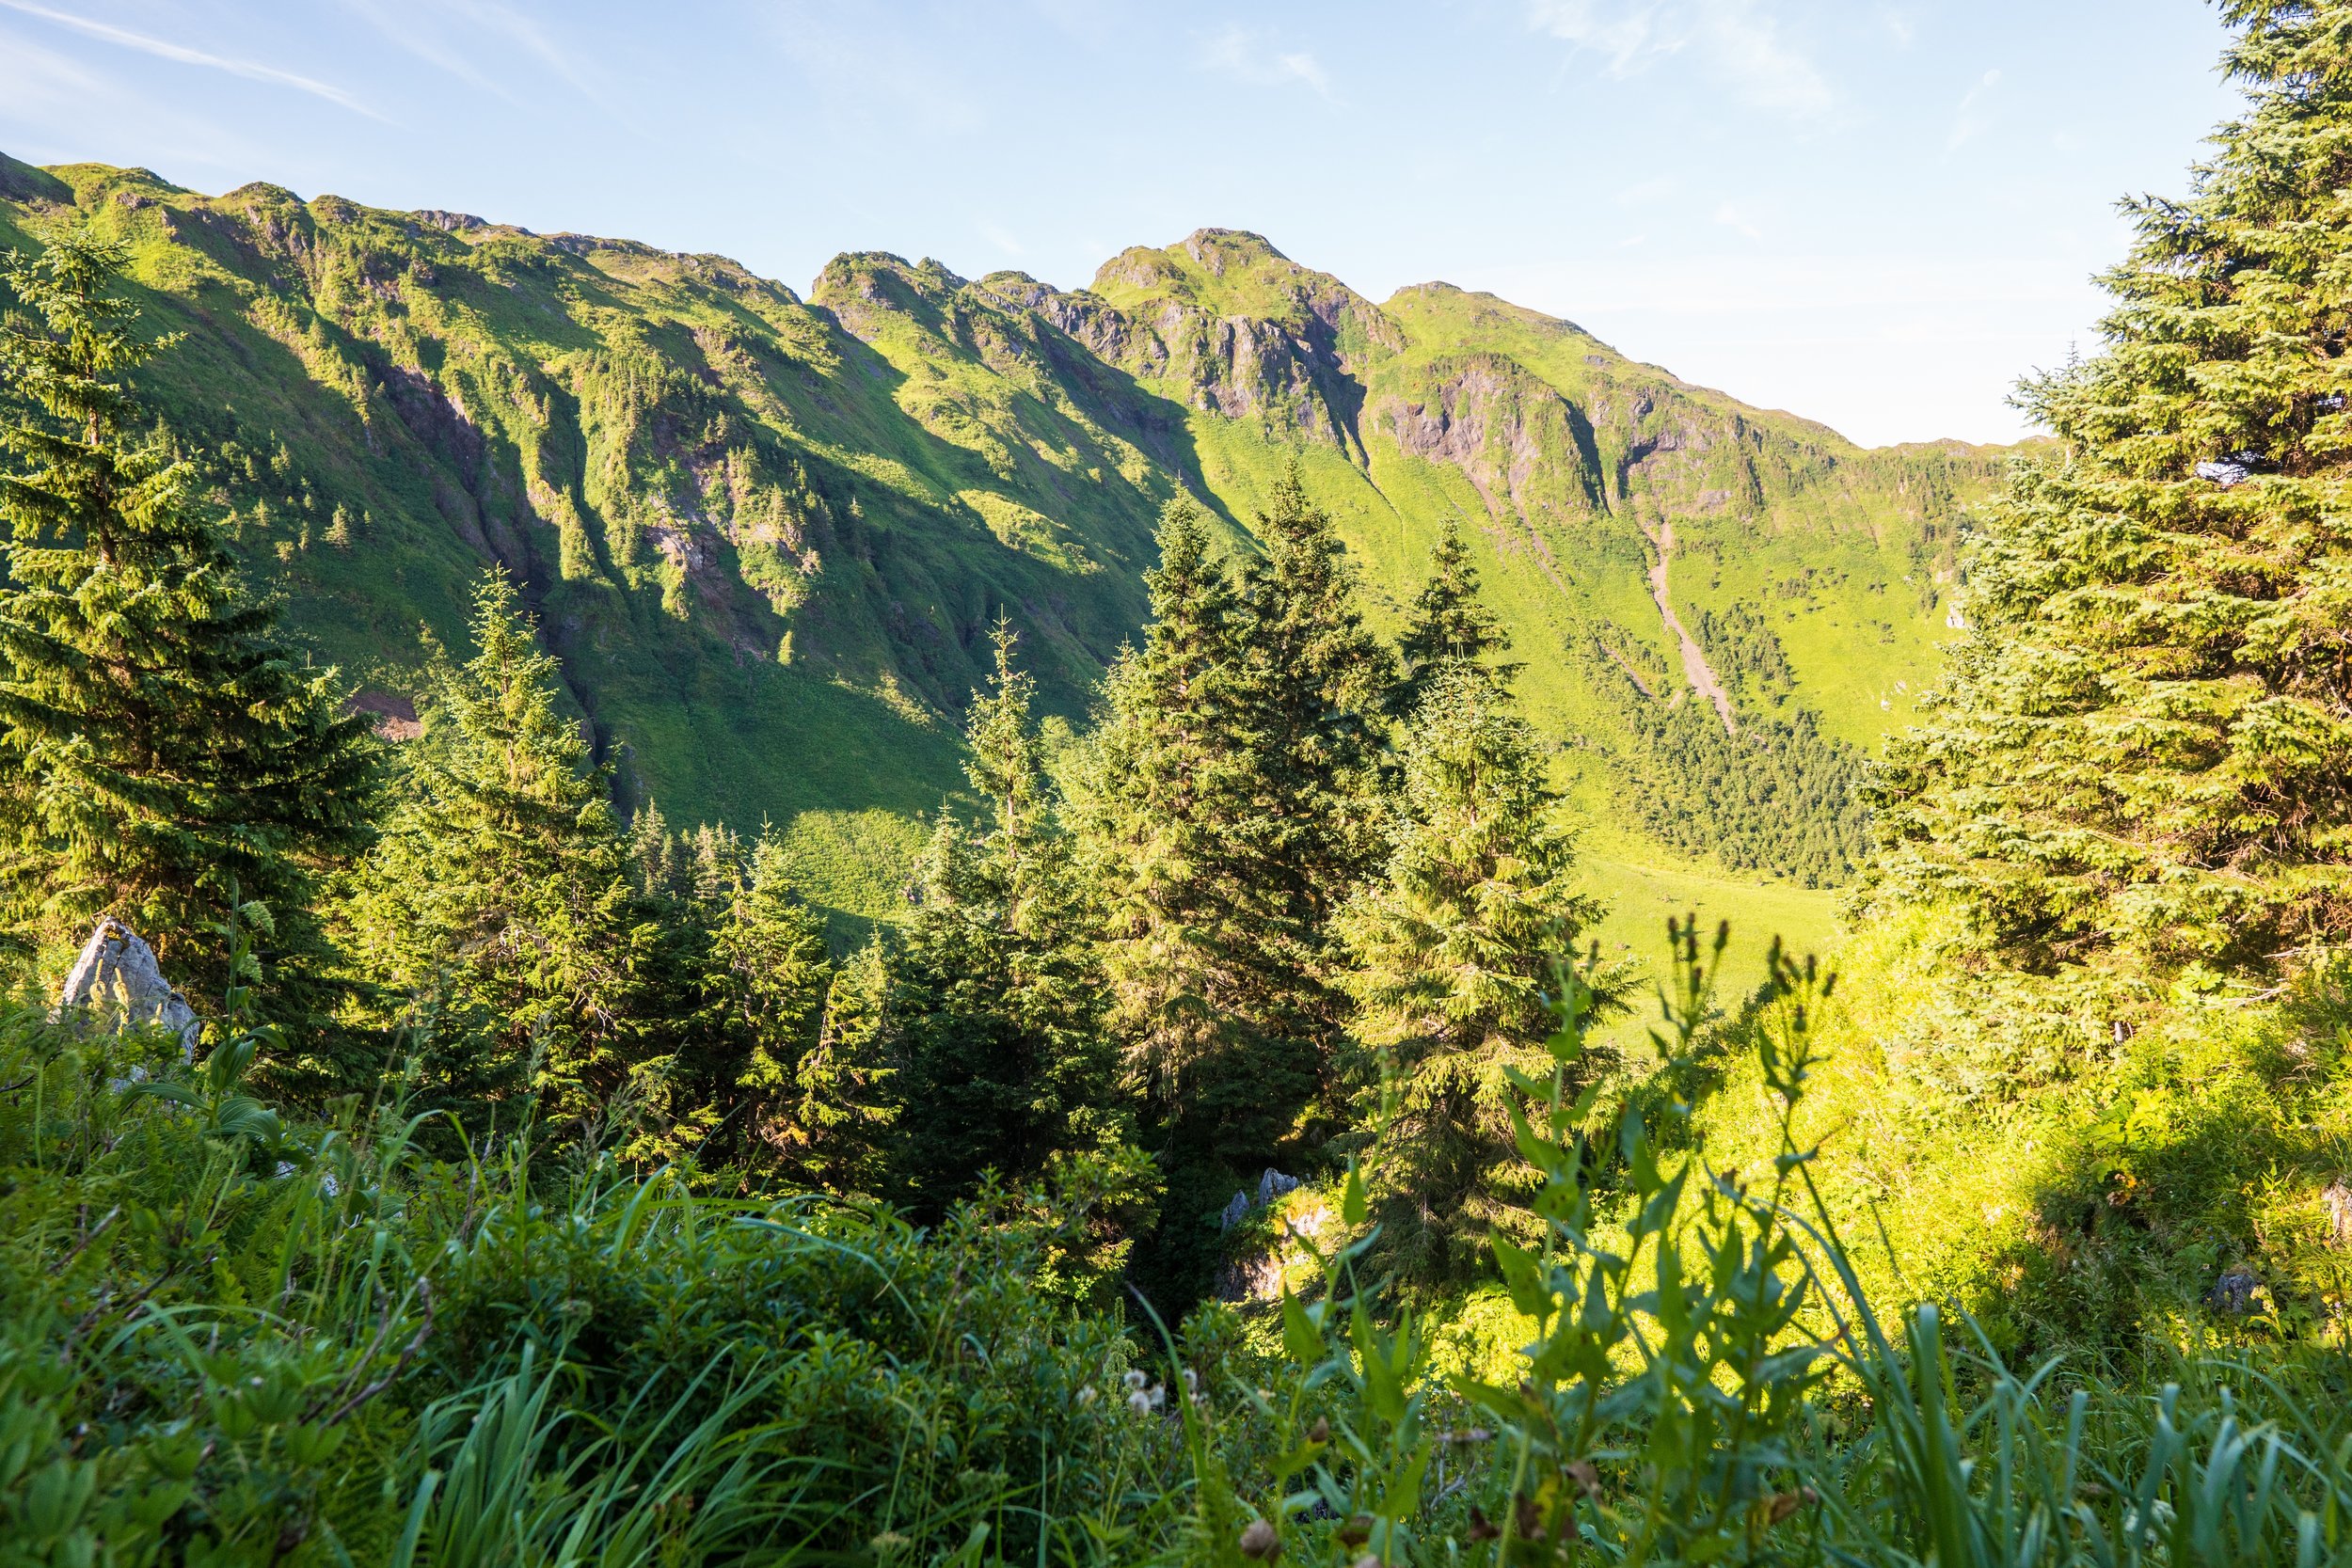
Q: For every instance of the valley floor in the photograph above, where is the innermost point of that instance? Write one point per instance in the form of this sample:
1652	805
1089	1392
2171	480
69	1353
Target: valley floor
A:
1644	888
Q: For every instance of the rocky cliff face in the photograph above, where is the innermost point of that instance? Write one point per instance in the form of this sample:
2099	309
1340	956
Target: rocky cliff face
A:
1527	448
1227	325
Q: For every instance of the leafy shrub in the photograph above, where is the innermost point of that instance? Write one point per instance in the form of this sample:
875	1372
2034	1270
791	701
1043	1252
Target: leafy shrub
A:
231	1338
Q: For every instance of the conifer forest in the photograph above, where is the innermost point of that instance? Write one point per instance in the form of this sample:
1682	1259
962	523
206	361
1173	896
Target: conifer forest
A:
650	921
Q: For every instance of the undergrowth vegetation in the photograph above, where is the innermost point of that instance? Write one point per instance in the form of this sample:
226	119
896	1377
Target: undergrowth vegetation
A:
234	1338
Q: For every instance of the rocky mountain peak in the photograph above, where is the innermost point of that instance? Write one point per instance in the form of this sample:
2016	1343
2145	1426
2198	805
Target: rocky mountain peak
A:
261	193
1219	248
854	282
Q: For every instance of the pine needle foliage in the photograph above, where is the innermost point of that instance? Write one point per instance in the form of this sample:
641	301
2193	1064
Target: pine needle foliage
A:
2142	763
500	896
769	968
1314	679
1000	1000
765	981
1300	826
843	1110
1451	954
167	754
1450	628
1153	796
1226	804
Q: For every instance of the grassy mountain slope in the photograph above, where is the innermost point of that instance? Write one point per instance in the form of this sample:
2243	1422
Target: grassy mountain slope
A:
1809	575
765	534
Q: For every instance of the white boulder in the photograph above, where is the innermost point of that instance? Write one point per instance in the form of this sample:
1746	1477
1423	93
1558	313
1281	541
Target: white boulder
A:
117	981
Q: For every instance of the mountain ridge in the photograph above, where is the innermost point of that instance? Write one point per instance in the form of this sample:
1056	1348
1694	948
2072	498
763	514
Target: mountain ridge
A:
763	530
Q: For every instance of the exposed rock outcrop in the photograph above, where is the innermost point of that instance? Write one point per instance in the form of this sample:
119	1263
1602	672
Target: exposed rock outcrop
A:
1242	330
1528	450
1271	1185
1302	1221
118	983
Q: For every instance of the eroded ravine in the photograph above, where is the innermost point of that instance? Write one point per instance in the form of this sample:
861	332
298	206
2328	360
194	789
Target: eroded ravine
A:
1695	666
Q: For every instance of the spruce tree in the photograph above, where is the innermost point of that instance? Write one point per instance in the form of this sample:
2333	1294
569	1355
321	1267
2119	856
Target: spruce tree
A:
1225	803
1450	952
1305	820
1449	627
766	980
500	896
713	859
1000	999
1154	792
1313	678
163	749
2142	763
839	1130
657	855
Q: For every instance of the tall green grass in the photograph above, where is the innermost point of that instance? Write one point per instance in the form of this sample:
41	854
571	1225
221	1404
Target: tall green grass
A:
232	1336
1707	1380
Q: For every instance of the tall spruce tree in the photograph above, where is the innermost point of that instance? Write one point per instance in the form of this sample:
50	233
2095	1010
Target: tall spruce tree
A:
1449	629
2141	761
1451	951
1310	685
162	746
1000	1000
765	981
500	895
841	1125
1226	804
1153	796
712	860
658	856
1313	679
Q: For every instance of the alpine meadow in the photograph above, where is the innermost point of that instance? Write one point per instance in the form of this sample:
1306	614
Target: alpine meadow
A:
653	920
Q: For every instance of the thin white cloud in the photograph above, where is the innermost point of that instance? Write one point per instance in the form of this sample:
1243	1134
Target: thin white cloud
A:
30	71
54	109
449	34
1738	41
1245	55
1731	217
1970	117
1001	237
252	71
528	36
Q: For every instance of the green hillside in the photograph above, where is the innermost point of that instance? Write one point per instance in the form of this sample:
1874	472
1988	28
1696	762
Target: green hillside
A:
765	532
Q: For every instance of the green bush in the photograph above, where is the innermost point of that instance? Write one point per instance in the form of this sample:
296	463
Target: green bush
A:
235	1338
336	1349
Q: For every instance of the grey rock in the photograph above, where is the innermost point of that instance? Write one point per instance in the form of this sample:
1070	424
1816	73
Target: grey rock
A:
1273	1184
2233	1294
118	983
2225	474
1256	1277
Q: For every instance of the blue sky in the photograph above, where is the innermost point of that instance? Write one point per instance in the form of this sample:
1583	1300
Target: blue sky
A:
1876	214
